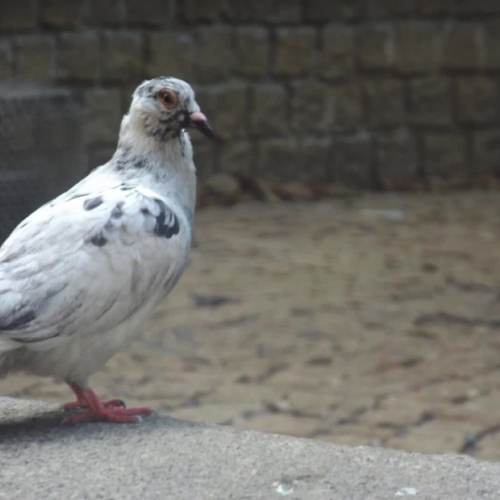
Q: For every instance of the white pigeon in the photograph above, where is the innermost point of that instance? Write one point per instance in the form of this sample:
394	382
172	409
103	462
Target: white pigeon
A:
80	276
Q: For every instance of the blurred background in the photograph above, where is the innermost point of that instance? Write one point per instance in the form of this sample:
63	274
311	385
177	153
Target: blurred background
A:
344	280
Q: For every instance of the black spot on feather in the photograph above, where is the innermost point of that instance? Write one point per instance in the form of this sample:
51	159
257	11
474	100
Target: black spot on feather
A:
18	322
92	203
167	223
98	240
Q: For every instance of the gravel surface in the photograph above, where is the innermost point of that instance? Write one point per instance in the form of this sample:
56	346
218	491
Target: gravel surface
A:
370	321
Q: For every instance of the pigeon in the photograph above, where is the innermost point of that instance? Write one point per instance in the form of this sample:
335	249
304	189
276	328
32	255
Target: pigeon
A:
80	276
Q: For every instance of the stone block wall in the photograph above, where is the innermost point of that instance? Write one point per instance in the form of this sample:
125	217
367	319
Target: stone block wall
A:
395	94
41	148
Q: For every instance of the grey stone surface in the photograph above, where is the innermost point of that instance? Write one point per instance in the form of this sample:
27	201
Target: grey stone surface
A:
475	96
373	44
396	155
41	147
279	11
101	128
430	102
153	13
416	47
385	103
337	57
170	53
214	53
77	56
462	47
122	56
5	59
165	458
295	54
268	111
61	13
252	51
311	109
35	57
18	15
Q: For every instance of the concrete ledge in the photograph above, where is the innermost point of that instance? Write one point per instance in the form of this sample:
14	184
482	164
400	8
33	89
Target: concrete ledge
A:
164	458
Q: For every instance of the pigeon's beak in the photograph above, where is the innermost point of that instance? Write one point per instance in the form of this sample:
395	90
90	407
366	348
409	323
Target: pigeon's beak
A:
199	121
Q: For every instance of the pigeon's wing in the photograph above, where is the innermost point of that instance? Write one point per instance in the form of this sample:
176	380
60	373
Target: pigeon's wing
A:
87	263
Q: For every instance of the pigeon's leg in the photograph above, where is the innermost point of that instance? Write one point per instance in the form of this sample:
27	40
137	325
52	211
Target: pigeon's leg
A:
97	410
81	402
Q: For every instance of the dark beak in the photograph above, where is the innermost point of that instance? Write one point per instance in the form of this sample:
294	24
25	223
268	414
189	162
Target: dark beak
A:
199	122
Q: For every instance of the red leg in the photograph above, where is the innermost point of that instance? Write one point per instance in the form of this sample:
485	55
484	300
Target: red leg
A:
97	410
81	402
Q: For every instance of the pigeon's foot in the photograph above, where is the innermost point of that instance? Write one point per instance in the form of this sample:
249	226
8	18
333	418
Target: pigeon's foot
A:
111	411
111	403
117	415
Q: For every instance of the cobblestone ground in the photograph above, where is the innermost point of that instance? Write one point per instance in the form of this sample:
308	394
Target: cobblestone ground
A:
370	321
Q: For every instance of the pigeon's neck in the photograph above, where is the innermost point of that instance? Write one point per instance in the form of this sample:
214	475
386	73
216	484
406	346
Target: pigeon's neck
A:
166	166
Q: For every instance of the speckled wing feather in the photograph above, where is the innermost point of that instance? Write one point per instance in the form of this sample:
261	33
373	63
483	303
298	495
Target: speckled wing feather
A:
85	263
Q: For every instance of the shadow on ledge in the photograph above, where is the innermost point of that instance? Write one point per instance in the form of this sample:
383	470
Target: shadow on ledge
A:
20	419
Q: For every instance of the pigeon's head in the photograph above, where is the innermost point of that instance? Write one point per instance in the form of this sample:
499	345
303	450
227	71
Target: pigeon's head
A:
165	106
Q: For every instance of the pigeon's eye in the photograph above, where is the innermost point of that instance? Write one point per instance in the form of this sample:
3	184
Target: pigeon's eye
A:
168	98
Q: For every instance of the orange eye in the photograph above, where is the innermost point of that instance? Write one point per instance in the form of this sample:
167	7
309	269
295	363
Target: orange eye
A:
168	98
